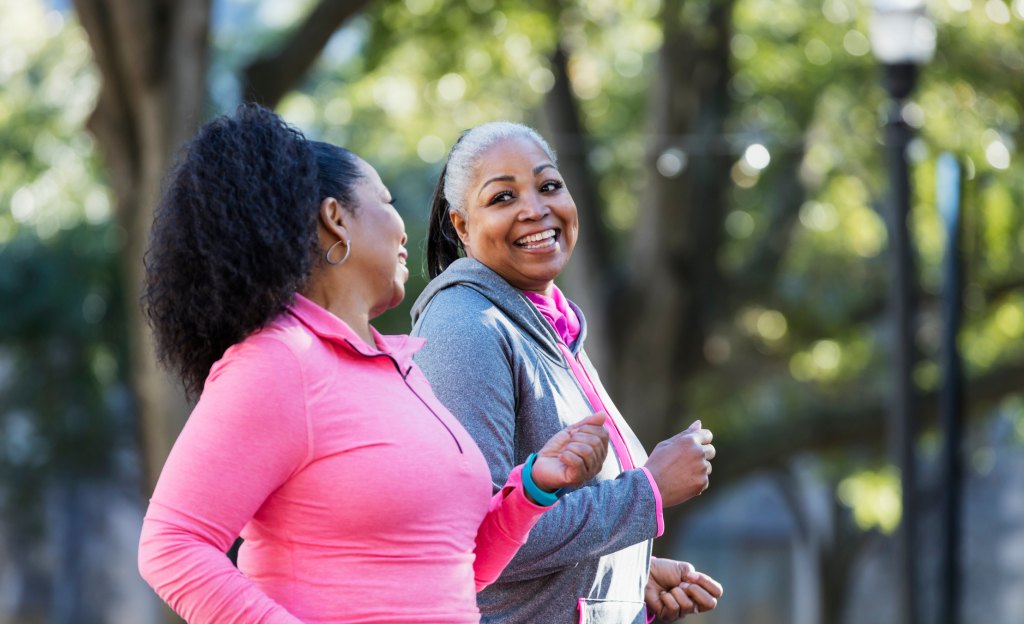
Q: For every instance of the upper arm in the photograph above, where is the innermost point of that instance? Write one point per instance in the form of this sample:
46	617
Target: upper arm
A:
246	436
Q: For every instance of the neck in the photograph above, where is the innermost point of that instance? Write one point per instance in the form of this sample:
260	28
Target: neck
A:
545	290
345	305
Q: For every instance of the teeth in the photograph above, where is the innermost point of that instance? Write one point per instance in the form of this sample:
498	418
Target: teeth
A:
533	238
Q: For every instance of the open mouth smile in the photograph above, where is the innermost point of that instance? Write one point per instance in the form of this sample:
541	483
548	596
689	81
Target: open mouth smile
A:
540	240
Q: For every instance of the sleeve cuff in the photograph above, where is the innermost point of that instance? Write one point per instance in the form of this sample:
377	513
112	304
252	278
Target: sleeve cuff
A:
658	511
522	512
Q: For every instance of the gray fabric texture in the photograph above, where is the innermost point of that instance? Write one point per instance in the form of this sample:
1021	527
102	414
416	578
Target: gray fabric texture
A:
494	361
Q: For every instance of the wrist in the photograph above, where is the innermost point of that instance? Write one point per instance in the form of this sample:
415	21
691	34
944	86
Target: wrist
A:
533	491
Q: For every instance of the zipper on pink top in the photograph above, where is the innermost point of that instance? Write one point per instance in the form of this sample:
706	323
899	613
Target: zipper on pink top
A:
405	378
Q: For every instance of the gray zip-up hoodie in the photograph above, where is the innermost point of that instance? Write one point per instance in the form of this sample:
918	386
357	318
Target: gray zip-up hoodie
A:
494	361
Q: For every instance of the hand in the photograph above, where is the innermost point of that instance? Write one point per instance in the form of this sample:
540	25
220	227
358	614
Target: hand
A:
681	465
572	456
675	589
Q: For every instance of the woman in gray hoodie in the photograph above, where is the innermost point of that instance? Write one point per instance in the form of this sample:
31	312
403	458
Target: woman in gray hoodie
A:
505	354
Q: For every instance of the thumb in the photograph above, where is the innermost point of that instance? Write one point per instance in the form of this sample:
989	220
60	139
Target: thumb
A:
694	426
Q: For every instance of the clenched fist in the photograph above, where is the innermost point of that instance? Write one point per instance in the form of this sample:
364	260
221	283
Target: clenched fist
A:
681	465
572	456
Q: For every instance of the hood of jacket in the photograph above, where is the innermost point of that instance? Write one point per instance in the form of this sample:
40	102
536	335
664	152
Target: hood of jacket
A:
507	298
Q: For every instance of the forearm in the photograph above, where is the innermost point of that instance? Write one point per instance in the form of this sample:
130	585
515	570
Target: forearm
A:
504	530
191	573
587	523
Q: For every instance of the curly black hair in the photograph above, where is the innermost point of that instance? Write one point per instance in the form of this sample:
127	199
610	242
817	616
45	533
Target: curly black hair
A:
235	234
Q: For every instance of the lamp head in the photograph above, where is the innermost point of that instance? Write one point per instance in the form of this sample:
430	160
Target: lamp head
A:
901	32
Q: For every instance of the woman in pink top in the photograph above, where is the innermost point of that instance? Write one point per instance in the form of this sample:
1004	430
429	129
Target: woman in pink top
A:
360	498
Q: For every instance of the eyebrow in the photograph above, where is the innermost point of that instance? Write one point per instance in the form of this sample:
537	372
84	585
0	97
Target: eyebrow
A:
512	178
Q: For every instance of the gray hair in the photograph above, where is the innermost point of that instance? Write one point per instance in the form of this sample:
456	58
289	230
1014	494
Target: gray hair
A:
465	156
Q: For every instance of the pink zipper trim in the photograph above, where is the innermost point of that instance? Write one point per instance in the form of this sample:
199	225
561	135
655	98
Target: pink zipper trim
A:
657	500
581	605
614	435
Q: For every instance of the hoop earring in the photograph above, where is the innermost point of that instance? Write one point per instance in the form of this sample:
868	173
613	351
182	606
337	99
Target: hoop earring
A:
348	250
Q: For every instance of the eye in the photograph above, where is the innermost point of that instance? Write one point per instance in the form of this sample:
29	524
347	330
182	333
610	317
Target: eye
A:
501	197
551	186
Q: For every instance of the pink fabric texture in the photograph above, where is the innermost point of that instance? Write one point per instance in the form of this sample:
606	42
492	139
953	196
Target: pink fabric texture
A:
558	313
360	497
563	319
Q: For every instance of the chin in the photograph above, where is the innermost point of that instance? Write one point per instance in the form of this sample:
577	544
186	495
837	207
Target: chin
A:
397	297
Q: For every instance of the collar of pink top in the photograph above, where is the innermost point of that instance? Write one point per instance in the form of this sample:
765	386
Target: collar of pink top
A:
558	312
401	348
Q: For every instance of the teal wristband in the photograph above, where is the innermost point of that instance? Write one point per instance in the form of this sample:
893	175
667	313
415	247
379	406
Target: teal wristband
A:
543	498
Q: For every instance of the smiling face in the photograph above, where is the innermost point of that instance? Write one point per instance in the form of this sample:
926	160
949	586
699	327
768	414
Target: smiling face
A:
377	262
519	219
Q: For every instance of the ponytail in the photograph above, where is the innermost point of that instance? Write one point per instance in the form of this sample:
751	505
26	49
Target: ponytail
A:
443	244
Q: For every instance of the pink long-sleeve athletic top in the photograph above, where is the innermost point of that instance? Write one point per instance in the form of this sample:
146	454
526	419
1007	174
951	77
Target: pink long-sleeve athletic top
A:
359	496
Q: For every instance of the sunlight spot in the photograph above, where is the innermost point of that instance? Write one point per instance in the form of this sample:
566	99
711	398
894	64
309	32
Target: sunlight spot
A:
874	497
338	111
672	162
1010	320
541	80
628	63
451	87
818	216
818	52
826	354
739	224
518	46
997	155
419	7
743	47
856	43
836	11
772	325
431	149
298	109
23	205
997	11
757	156
97	206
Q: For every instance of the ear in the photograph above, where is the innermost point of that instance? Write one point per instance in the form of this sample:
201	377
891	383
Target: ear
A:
459	223
335	218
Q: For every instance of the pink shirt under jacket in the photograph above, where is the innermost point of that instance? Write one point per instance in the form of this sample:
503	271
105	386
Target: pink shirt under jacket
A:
359	496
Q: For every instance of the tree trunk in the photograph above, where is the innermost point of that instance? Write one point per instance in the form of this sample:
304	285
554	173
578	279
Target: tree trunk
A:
673	285
589	278
152	56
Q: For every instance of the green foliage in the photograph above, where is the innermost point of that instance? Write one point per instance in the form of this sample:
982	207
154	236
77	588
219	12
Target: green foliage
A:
399	84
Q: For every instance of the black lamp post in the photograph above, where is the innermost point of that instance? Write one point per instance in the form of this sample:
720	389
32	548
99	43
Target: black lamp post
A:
902	38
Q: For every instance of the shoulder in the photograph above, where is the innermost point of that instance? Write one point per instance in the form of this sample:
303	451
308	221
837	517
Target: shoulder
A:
464	311
272	354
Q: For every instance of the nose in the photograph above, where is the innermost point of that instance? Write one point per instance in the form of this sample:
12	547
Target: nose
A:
534	208
405	238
